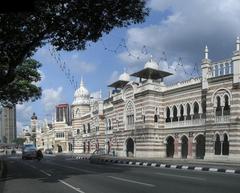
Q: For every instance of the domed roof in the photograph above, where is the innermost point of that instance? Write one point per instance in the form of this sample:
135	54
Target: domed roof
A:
34	116
81	95
151	64
124	76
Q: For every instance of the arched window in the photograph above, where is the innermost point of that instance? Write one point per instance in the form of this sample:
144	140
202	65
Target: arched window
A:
217	145
216	70
225	147
175	118
218	109
227	70
181	113
109	124
231	68
221	69
195	111
78	131
226	109
168	119
156	115
129	114
84	129
89	129
77	112
188	112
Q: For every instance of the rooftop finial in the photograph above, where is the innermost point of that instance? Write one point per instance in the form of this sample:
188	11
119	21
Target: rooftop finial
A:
238	44
151	57
206	52
81	83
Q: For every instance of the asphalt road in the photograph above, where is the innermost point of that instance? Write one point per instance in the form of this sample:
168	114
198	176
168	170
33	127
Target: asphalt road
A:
66	175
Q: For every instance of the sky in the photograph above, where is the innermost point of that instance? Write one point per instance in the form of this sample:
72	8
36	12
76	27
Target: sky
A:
174	34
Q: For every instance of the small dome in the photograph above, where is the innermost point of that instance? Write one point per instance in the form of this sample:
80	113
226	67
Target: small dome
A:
27	134
124	76
151	64
34	116
81	95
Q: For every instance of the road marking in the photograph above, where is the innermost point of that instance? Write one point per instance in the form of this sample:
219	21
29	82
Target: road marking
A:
145	164
173	166
153	164
180	176
162	165
70	186
45	173
184	167
131	181
138	163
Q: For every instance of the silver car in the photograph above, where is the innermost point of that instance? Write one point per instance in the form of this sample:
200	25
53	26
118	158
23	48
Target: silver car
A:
29	151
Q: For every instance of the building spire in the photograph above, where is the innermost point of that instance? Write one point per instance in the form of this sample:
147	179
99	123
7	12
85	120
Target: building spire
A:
81	83
238	44
206	52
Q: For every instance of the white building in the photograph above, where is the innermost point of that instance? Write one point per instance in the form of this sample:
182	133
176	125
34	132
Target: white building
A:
196	118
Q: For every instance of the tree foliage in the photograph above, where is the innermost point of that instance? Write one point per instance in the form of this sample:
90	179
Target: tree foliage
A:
23	87
66	24
19	141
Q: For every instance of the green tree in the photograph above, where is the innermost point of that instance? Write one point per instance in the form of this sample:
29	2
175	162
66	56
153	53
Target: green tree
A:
23	87
67	25
19	141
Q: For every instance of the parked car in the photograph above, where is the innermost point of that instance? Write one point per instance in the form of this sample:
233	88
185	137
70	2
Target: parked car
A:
29	151
48	151
100	153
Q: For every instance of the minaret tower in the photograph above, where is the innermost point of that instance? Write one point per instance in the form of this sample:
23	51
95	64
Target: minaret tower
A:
206	69
236	63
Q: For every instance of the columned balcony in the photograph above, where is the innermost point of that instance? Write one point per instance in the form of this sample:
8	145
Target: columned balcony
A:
222	119
185	123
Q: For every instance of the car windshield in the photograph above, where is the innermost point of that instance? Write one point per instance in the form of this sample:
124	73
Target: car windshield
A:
30	146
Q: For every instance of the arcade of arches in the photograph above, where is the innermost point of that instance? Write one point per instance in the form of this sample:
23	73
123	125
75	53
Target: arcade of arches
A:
194	147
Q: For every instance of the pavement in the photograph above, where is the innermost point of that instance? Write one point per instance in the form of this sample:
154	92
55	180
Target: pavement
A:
62	174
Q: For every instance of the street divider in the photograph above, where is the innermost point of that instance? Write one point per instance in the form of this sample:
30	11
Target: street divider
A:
107	160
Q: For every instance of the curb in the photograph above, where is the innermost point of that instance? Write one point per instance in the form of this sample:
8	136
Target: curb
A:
155	164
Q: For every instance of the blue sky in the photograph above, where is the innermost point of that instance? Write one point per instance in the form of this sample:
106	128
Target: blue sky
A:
180	29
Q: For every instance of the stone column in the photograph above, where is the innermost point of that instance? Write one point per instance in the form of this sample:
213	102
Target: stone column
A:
176	144
190	146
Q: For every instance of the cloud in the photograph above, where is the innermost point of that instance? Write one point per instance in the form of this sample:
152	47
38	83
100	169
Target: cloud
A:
52	97
24	113
184	33
77	64
114	77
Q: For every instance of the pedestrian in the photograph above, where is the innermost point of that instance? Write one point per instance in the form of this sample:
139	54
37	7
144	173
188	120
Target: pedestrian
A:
39	155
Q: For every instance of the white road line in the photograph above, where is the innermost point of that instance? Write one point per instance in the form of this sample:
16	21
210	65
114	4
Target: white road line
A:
45	173
180	176
70	186
131	181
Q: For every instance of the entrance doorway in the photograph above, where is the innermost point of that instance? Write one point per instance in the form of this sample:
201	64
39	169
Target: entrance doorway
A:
170	146
184	147
200	147
130	147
